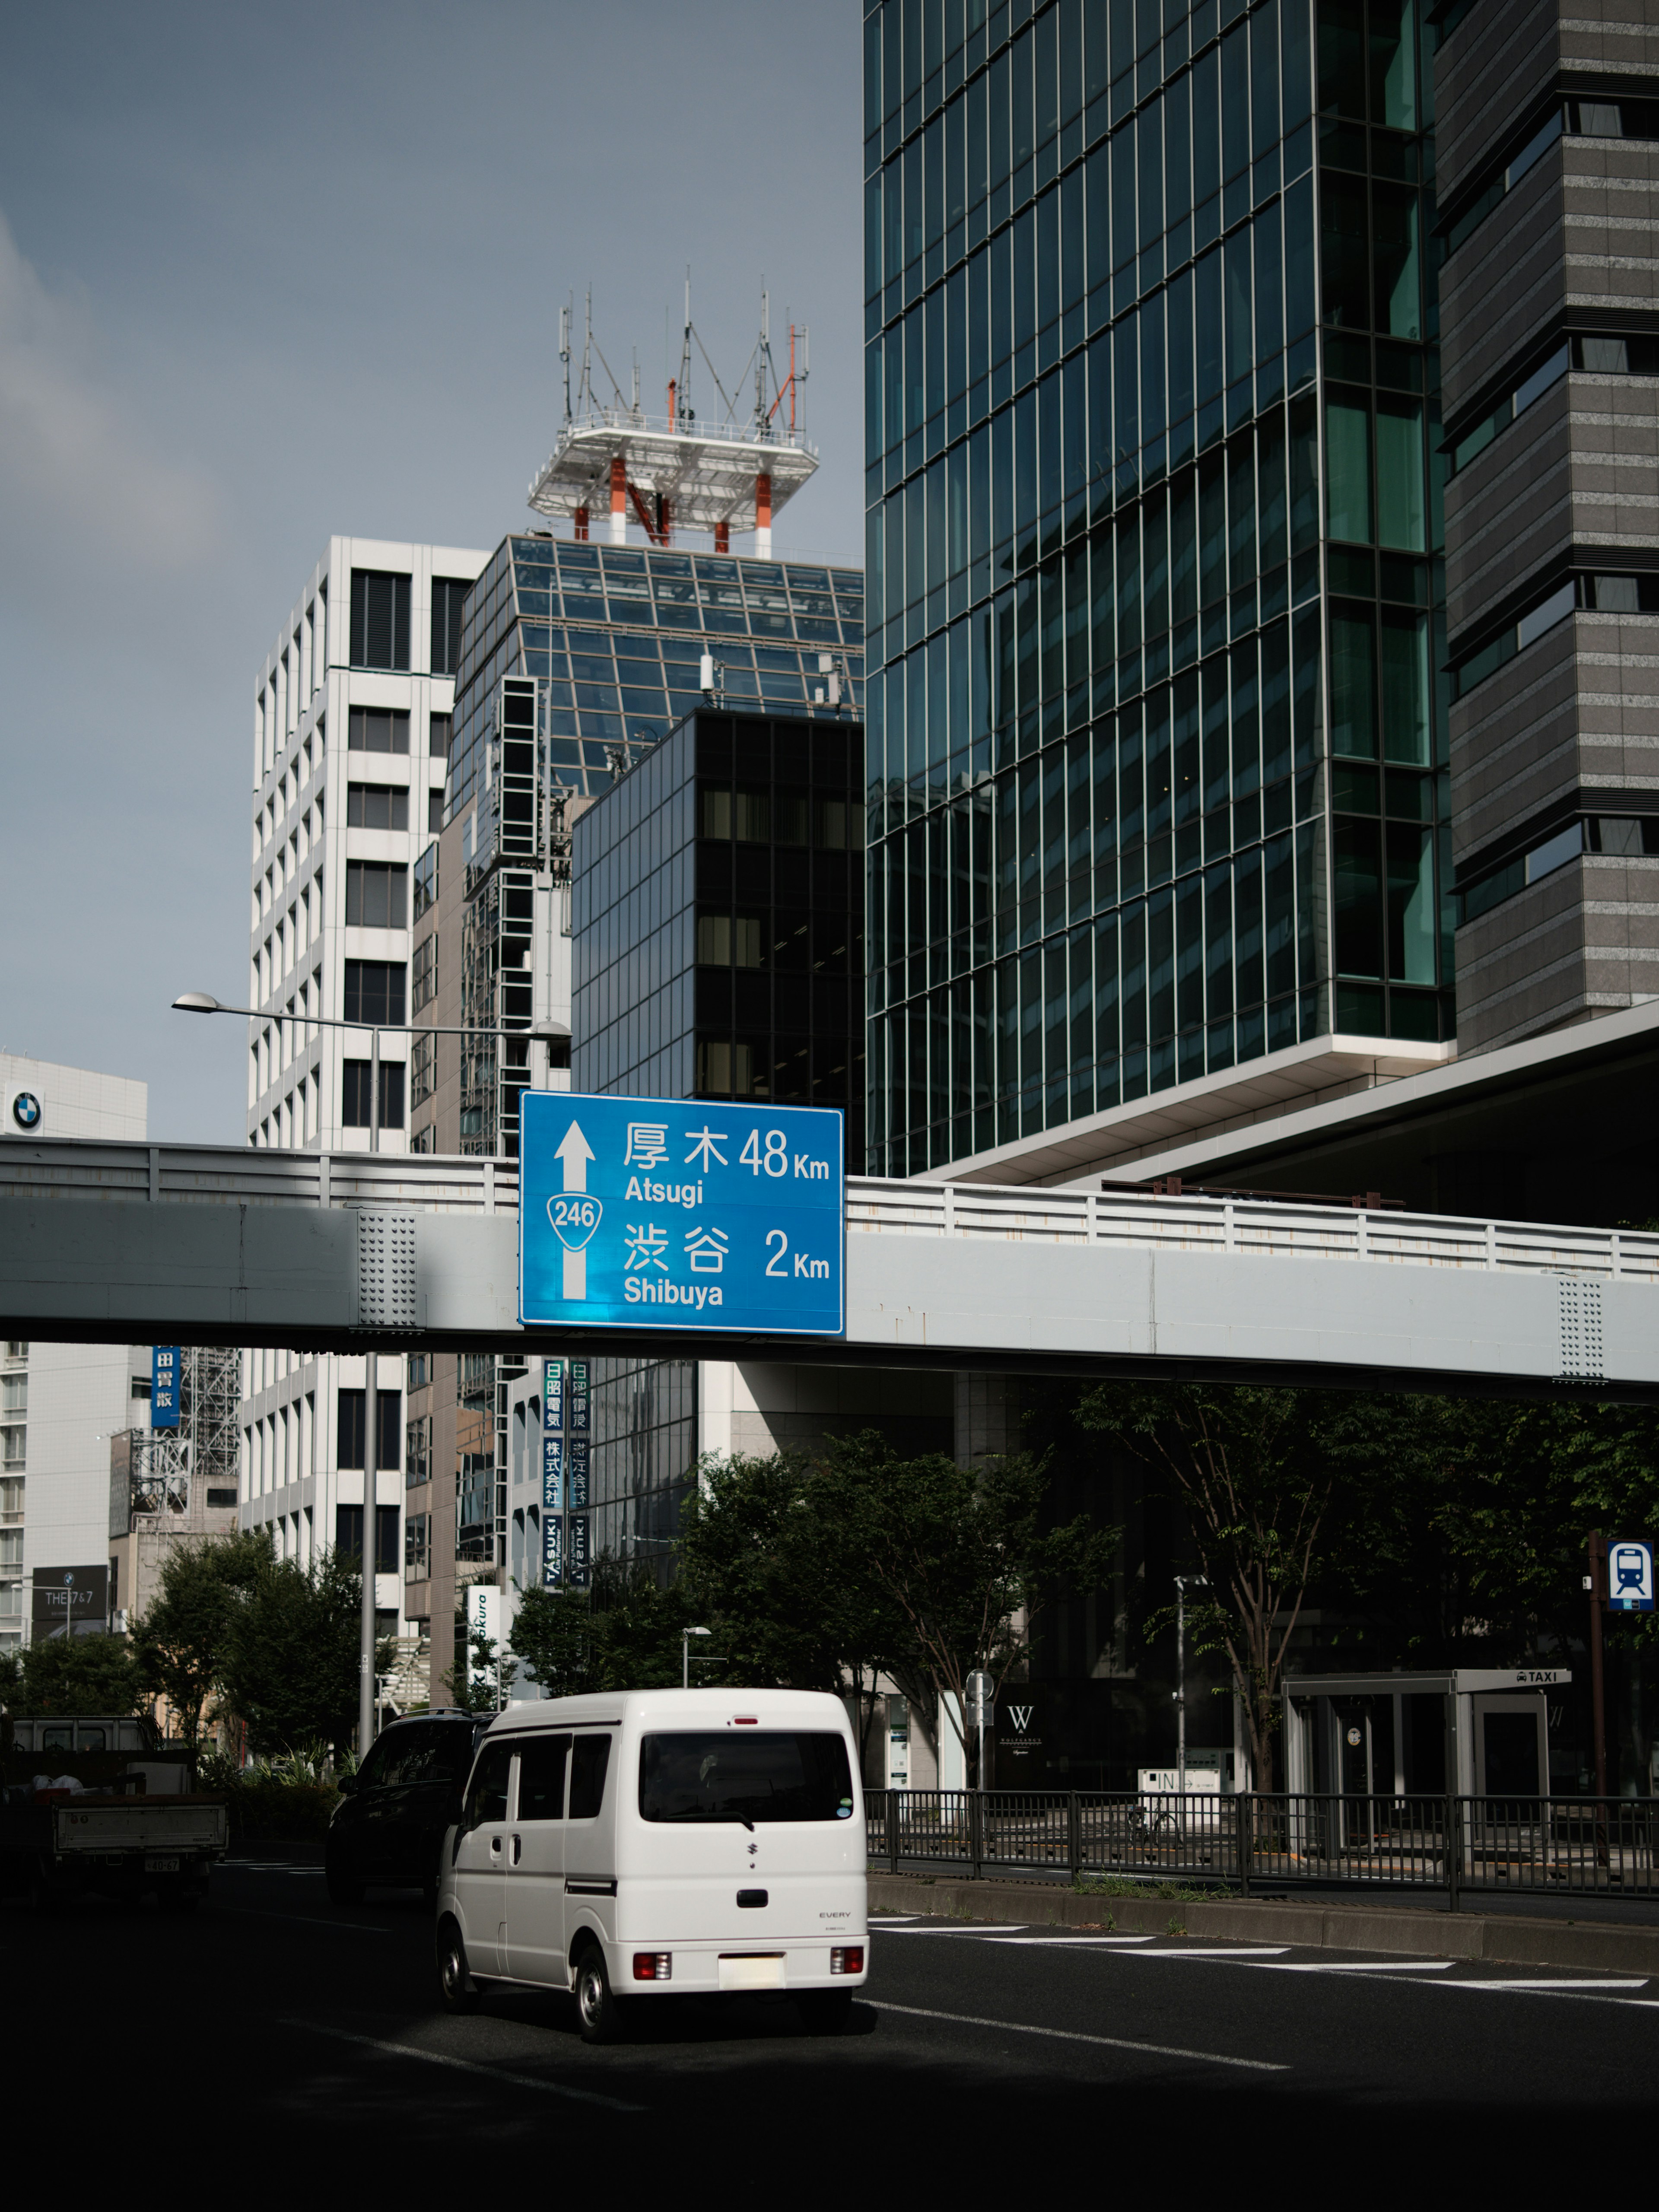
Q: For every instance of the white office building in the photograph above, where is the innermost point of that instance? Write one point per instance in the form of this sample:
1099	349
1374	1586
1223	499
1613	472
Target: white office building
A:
353	714
61	1403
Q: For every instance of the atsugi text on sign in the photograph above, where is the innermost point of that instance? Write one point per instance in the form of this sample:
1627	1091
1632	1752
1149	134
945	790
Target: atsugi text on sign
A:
657	1213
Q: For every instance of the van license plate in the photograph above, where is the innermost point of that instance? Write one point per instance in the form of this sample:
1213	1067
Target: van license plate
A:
752	1973
160	1866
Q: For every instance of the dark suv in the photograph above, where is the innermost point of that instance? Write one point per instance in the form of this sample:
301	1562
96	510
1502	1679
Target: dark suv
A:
389	1825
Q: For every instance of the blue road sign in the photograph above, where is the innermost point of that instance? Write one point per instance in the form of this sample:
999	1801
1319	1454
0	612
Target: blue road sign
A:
657	1213
1630	1574
164	1386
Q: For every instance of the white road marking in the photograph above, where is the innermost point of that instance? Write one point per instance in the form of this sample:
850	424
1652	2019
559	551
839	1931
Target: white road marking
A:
1244	1951
1072	1942
465	2066
1539	1983
970	1929
1362	1967
1071	2035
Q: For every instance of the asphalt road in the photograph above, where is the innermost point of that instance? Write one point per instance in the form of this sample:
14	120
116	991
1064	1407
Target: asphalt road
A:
282	2029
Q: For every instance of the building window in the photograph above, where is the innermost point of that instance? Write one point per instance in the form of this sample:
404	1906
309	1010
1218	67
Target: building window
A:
376	807
419	1370
426	980
440	731
417	1547
418	1451
375	994
426	881
349	1535
377	896
354	1104
435	812
379	619
376	729
348	1429
447	594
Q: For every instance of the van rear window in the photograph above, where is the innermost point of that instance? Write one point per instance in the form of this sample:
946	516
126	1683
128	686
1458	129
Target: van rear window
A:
721	1776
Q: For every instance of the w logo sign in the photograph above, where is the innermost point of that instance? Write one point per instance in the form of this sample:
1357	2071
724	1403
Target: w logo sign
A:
1020	1716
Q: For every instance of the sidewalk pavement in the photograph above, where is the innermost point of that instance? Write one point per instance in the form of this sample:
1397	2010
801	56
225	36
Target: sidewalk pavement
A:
1603	1944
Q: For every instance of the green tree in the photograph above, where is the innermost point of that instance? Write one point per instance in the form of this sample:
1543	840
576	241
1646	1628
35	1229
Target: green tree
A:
1254	1478
756	1560
961	1556
89	1675
774	1568
290	1665
637	1622
183	1639
553	1638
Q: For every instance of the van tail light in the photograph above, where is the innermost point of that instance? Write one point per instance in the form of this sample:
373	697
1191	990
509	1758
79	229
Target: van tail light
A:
655	1965
847	1959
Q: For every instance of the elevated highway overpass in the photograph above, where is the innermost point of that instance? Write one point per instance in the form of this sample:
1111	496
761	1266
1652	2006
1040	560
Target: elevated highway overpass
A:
141	1243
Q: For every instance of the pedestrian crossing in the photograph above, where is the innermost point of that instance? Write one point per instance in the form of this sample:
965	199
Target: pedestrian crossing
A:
1276	1958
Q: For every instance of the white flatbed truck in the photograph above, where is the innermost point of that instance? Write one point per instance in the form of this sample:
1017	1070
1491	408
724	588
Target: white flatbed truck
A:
60	1846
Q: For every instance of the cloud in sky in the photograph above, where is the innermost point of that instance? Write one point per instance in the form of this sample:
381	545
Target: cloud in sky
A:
73	458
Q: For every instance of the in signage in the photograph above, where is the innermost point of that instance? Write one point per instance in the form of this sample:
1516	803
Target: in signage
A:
552	1474
75	1596
580	1562
164	1386
552	1551
1630	1574
693	1217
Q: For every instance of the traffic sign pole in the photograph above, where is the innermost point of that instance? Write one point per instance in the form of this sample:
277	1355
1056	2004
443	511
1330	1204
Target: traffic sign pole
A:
1598	1583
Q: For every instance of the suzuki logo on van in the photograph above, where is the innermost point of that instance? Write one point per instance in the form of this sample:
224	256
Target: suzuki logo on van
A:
1021	1716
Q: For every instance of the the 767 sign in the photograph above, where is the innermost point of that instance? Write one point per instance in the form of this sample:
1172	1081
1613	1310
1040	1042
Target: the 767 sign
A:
655	1214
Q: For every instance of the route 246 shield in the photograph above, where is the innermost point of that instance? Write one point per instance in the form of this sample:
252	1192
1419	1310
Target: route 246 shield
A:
660	1213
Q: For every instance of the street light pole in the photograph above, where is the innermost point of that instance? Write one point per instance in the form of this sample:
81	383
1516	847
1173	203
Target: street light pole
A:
370	1548
1181	1582
204	1002
686	1634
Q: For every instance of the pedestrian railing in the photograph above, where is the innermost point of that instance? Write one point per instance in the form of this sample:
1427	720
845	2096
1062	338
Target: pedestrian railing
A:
1267	1844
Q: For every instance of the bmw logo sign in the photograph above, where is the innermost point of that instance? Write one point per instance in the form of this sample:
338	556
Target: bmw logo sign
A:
26	1110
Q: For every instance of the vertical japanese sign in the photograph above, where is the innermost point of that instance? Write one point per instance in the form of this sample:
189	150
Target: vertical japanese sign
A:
580	1563
579	1435
661	1213
553	1472
164	1386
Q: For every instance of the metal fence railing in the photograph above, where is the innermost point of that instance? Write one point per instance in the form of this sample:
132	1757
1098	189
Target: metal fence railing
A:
1560	1846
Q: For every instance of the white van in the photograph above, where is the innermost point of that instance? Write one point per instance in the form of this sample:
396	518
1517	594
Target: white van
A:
659	1843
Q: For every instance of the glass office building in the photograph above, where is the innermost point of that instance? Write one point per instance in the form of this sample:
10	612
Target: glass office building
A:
717	919
615	633
1157	729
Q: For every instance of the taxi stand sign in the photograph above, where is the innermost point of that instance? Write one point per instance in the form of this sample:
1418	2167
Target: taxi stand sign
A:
1630	1574
695	1217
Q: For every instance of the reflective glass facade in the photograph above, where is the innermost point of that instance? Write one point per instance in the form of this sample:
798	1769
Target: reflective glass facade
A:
718	917
1153	525
616	632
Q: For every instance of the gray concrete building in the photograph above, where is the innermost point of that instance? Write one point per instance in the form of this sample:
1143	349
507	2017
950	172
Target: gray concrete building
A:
1547	140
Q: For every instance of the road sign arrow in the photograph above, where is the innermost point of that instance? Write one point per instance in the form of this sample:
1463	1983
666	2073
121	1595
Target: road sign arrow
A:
573	1154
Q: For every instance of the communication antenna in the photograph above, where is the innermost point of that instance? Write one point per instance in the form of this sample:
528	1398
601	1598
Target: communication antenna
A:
564	352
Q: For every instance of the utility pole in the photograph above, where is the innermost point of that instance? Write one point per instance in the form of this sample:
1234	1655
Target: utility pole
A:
1596	1583
371	1518
1197	1582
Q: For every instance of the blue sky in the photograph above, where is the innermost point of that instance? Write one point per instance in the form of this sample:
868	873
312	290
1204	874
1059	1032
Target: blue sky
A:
267	273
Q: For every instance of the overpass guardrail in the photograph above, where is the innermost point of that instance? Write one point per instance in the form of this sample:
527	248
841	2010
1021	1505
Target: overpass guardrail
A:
973	1212
1264	1843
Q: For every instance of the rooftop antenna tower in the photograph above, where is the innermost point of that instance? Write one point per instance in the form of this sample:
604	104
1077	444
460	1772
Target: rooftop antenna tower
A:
672	472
